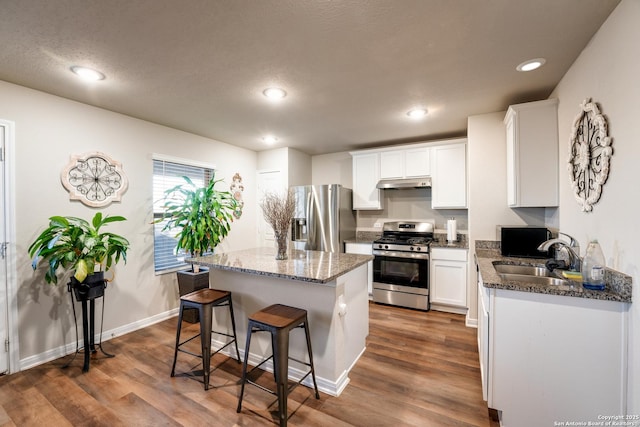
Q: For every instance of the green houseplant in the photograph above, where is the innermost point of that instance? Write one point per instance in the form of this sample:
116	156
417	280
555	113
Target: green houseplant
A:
203	217
71	243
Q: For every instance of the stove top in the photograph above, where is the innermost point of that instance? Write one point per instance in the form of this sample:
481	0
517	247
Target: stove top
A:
405	237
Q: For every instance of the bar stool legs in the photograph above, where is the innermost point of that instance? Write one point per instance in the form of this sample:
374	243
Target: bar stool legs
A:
278	320
205	300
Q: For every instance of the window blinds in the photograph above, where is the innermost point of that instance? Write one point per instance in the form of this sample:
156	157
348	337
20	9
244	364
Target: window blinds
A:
166	175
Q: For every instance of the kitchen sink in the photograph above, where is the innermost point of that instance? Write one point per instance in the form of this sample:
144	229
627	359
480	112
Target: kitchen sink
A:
541	280
525	270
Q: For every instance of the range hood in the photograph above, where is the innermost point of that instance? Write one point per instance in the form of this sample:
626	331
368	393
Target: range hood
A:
404	183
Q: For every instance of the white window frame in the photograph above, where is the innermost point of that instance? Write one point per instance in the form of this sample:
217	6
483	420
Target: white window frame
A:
157	202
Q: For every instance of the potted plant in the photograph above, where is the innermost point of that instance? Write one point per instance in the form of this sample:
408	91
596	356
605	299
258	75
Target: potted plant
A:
71	243
203	217
278	211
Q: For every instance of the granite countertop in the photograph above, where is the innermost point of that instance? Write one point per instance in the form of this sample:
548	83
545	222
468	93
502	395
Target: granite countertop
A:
618	285
440	241
306	266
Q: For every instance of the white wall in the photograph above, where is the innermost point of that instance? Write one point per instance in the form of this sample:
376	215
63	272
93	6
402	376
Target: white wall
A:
299	167
294	165
334	168
607	71
488	208
48	130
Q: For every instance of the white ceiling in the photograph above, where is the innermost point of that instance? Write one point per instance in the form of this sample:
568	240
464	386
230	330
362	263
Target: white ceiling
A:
352	68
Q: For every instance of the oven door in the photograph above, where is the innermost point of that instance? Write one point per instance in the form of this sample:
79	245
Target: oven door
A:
401	278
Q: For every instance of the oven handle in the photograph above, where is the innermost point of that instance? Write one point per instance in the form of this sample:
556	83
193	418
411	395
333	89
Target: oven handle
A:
396	254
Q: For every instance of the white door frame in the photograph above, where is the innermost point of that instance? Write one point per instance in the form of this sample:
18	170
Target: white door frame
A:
9	203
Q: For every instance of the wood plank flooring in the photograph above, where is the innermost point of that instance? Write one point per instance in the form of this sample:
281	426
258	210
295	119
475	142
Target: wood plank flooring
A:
419	369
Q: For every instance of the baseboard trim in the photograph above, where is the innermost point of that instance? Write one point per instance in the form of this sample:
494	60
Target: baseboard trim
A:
56	353
325	385
333	388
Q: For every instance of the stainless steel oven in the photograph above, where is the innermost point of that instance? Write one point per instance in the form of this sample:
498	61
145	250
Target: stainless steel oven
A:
401	265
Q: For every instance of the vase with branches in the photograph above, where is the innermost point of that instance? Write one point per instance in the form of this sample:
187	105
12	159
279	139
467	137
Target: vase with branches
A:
278	211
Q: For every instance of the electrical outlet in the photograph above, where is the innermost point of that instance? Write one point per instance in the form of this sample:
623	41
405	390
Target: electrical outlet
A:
377	225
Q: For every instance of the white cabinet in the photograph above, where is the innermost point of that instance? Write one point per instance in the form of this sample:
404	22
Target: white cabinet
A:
449	280
555	358
392	164
363	249
366	174
483	335
532	154
449	176
405	163
444	161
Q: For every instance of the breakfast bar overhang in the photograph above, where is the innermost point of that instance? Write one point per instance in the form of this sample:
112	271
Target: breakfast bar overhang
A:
332	287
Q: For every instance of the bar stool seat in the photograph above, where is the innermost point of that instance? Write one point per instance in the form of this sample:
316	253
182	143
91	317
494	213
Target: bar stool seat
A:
278	320
205	300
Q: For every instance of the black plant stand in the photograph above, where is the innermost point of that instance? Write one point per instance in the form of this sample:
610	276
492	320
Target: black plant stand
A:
87	293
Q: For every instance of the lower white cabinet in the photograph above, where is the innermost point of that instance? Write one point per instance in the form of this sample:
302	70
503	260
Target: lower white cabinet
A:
449	280
553	358
363	249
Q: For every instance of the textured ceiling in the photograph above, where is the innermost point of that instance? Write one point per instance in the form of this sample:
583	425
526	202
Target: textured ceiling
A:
352	68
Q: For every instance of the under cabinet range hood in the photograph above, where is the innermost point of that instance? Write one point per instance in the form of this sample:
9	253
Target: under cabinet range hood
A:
398	184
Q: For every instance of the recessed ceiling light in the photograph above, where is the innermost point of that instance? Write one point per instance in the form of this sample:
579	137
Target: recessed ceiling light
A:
274	93
88	74
270	139
417	113
531	64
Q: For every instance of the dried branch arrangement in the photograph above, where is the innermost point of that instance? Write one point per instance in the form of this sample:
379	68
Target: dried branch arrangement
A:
278	210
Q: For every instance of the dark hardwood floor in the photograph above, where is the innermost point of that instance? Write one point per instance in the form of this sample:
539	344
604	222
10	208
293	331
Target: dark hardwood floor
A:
419	369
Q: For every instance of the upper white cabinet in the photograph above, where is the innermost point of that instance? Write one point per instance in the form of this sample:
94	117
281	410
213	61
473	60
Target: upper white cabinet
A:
532	154
405	163
444	161
449	176
366	174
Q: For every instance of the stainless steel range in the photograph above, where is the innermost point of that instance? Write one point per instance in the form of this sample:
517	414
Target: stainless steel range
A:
401	264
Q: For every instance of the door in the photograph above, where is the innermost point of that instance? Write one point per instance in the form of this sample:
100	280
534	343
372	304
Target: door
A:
4	361
8	314
268	181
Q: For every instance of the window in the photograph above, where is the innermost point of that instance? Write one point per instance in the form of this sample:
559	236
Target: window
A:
168	174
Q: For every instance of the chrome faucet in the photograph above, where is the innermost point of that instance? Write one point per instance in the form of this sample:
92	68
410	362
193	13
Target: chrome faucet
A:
572	250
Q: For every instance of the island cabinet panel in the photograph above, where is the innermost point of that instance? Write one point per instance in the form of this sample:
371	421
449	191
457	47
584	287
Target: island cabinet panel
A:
363	249
555	358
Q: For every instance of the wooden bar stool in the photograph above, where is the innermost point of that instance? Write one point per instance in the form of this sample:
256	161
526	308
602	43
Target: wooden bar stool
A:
278	320
205	300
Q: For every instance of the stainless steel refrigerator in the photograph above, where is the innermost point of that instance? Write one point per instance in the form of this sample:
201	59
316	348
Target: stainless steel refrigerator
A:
323	218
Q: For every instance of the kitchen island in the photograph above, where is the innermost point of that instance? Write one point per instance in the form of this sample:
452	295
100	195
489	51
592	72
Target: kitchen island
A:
332	287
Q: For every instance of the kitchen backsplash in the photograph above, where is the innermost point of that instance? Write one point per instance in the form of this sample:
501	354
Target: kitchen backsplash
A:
410	205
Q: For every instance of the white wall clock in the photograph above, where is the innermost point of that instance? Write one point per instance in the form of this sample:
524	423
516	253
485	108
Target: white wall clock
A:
95	179
589	154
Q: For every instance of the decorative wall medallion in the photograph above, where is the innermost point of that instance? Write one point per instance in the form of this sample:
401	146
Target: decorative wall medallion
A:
236	189
95	179
589	153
